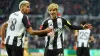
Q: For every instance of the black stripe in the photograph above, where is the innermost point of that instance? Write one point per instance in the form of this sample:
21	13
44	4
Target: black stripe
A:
55	26
55	41
82	44
48	42
15	41
7	39
61	40
21	40
87	44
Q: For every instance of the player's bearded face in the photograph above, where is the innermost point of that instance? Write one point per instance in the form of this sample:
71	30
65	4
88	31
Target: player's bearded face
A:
53	13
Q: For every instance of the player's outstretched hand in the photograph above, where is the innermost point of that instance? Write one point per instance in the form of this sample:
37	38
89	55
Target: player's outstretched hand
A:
2	44
86	26
90	26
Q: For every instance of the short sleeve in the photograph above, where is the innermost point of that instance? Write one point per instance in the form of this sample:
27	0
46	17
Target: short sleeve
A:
44	25
26	21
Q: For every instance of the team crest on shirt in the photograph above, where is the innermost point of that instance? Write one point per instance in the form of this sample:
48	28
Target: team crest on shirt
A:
50	23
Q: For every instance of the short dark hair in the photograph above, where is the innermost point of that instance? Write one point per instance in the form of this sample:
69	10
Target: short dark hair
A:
83	22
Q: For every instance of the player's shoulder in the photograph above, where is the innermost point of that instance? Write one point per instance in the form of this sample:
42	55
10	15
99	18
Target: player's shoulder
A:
17	13
46	20
61	17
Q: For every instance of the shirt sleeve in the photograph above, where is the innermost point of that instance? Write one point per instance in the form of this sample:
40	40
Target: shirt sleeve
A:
26	21
43	26
73	27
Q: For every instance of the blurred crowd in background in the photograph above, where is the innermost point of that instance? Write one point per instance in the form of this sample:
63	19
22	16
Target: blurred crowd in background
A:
73	10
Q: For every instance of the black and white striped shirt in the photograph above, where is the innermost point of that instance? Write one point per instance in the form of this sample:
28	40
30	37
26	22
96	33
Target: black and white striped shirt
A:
58	25
17	24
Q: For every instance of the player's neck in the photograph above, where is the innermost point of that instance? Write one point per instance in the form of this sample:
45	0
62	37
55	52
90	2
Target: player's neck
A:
22	12
53	17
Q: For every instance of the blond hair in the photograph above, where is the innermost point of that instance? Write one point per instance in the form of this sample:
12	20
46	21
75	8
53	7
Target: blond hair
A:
52	6
22	3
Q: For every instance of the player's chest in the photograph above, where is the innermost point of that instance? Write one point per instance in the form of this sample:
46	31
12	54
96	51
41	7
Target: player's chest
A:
55	23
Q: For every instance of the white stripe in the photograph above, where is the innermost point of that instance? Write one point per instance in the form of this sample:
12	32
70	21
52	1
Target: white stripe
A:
46	39
23	40
59	23
11	40
85	43
18	41
59	44
50	24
